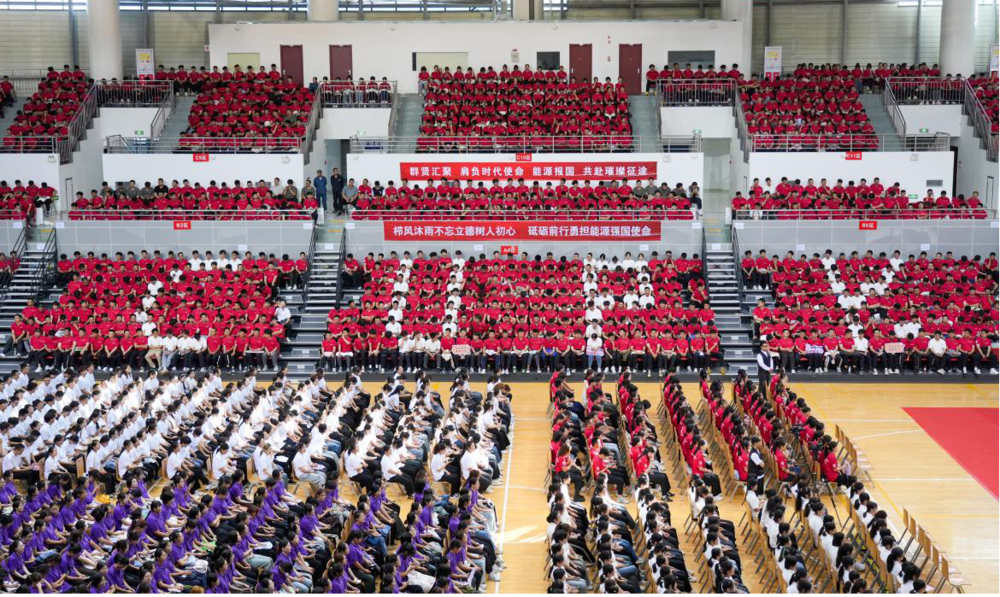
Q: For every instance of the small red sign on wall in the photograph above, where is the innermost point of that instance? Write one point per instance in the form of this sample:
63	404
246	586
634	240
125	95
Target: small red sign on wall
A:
199	157
522	157
182	225
853	155
868	225
508	249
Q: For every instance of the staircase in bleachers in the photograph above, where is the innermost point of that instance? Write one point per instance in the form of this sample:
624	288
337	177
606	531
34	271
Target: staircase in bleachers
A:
645	121
177	123
302	351
724	297
9	113
406	127
881	121
29	281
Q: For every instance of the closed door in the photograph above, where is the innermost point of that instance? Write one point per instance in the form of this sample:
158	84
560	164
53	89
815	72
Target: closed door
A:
581	61
341	63
291	63
630	66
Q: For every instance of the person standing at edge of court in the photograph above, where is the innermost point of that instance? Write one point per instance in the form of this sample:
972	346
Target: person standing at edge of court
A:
765	364
337	182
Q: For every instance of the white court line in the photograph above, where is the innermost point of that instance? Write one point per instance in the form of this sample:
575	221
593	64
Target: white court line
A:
888	434
874	421
528	488
928	479
506	494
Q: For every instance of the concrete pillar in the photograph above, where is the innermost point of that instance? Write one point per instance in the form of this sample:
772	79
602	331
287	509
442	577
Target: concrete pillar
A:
522	10
958	37
539	10
742	11
323	10
104	38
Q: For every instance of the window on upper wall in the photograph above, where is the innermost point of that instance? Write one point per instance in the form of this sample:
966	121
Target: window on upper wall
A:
547	61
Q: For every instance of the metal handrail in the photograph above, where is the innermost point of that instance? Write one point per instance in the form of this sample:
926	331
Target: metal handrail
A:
340	267
309	259
982	122
524	214
926	90
393	113
741	130
892	107
78	126
850	142
315	113
741	286
105	215
20	244
526	144
134	94
847	213
121	144
41	277
702	92
333	95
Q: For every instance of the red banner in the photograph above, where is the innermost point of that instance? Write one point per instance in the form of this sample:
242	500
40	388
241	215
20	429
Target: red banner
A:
853	155
590	170
182	225
556	230
508	249
868	225
199	157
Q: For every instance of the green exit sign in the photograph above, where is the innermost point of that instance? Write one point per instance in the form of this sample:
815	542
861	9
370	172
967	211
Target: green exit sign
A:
924	131
696	131
139	133
913	197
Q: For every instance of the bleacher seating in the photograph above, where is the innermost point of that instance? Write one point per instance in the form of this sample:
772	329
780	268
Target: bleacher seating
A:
186	201
48	112
811	200
487	304
828	309
112	307
519	200
244	110
17	202
514	108
986	88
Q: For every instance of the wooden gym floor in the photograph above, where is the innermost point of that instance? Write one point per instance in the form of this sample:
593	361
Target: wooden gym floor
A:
910	471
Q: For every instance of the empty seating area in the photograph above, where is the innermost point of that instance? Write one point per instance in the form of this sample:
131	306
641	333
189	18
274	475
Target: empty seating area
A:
520	108
524	313
162	310
868	313
186	201
518	200
245	110
837	199
49	111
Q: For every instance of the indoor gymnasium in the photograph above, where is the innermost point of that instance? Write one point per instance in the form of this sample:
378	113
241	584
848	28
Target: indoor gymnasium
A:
499	296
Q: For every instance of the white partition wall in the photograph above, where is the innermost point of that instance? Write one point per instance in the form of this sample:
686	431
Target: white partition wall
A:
217	166
344	123
418	167
711	122
926	119
387	49
916	172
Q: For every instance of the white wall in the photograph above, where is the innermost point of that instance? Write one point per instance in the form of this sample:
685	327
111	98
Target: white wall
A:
673	168
344	123
975	172
712	121
945	118
220	167
890	166
127	122
386	49
85	171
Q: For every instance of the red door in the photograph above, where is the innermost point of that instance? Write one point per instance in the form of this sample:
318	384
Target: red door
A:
341	63
291	63
630	67
581	61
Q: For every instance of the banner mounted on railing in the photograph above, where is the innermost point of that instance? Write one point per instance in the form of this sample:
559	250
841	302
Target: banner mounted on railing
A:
595	170
772	62
535	230
144	67
994	58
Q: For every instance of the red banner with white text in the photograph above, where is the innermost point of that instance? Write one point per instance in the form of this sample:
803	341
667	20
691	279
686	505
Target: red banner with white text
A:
534	230
588	170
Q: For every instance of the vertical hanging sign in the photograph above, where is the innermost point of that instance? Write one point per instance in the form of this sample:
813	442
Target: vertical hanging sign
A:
772	62
144	67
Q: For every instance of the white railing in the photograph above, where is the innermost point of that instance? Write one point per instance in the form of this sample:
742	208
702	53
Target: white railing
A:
120	144
979	213
892	107
348	94
849	143
527	144
182	214
705	92
925	90
523	214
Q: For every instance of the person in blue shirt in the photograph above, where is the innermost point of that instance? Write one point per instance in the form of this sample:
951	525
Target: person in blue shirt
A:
319	181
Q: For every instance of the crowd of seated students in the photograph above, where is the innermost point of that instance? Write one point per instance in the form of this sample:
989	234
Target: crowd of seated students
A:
793	200
875	552
809	109
602	541
20	201
184	200
225	519
48	112
986	88
516	198
872	314
161	311
514	107
247	110
348	92
518	313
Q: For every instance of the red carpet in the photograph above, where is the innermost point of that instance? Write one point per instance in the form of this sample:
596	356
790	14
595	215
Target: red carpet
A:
970	435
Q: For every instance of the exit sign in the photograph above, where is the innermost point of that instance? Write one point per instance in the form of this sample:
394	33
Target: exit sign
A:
868	225
853	155
924	130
